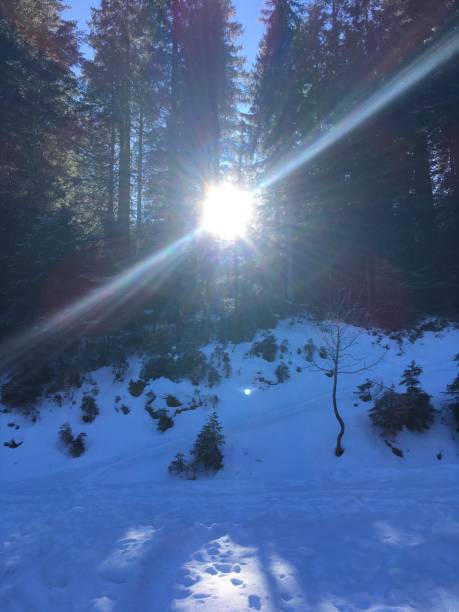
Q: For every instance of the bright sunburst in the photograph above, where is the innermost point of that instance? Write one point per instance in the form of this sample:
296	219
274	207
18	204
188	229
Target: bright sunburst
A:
227	211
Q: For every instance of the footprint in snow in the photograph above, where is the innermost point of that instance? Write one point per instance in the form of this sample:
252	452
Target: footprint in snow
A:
189	581
254	602
201	596
237	582
224	568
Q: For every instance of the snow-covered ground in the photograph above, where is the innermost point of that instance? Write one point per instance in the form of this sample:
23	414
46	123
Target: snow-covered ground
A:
285	526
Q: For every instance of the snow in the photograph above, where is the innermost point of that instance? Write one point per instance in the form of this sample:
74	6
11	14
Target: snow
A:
285	526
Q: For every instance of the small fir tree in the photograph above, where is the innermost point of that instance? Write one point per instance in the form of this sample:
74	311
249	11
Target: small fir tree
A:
410	378
453	392
207	448
89	408
65	434
178	465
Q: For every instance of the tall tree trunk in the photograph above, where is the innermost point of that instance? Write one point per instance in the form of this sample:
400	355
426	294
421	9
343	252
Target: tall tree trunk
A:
111	175
339	450
124	184
139	171
124	178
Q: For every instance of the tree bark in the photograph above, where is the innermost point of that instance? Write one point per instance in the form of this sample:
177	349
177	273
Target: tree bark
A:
124	176
111	174
339	450
139	172
124	186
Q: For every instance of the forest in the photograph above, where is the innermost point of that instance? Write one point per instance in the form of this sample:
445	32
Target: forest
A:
345	133
229	299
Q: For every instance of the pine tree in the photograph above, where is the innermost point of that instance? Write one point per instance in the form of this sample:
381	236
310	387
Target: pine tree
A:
178	465
207	448
410	378
37	142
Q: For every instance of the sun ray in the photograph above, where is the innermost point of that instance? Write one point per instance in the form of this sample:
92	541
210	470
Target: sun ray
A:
418	70
103	301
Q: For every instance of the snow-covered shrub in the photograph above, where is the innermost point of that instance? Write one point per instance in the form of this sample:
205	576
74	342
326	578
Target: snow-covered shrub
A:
309	350
78	446
13	444
178	465
213	377
75	446
158	367
193	365
89	408
364	391
154	414
266	348
282	372
65	434
136	387
394	411
172	401
119	368
221	362
284	346
227	369
207	448
165	422
453	396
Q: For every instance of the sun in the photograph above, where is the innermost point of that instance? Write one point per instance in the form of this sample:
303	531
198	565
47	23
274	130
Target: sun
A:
227	211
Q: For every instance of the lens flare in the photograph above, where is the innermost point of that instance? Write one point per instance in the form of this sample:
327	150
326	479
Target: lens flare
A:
442	52
100	302
227	211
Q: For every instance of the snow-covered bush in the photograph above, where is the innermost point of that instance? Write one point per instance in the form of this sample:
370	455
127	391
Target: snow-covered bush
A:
282	372
193	365
89	408
119	368
12	443
364	391
172	401
207	448
219	366
136	387
266	348
65	434
164	421
178	465
453	396
394	411
284	346
158	367
78	447
75	446
213	377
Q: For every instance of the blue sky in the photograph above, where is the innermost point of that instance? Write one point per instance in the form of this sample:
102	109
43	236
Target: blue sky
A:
248	12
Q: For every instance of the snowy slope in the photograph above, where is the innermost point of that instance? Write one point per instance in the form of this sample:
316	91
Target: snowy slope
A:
285	526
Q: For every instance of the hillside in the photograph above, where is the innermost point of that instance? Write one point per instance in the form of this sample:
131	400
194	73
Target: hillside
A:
285	525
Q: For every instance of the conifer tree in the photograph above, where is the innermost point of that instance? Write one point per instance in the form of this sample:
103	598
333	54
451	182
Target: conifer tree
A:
207	451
